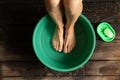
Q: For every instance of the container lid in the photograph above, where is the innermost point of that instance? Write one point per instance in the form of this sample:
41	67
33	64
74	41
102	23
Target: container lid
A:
106	32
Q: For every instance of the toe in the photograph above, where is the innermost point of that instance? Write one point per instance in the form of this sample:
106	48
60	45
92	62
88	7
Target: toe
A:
54	45
65	49
57	47
60	48
69	49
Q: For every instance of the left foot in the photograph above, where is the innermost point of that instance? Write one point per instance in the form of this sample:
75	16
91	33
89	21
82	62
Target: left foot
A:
70	40
57	40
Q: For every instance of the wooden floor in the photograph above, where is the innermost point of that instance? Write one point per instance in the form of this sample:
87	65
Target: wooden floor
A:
18	61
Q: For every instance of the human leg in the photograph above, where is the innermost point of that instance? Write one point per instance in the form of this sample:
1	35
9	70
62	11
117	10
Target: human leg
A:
54	9
73	9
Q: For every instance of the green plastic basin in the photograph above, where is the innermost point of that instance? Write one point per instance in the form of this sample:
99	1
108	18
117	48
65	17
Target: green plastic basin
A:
60	61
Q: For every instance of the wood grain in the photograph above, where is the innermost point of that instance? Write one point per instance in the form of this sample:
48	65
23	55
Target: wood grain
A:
103	68
107	51
92	68
18	61
67	78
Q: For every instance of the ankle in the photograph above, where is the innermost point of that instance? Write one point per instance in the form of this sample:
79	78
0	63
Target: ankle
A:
60	27
69	28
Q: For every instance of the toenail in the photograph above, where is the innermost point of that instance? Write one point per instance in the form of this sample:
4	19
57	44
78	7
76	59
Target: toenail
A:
59	50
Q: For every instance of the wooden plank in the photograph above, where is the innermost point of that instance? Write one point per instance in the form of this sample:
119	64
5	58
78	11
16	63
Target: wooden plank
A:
92	68
25	69
73	78
53	78
100	0
102	68
85	78
18	61
65	78
23	55
110	78
97	14
99	6
107	51
16	43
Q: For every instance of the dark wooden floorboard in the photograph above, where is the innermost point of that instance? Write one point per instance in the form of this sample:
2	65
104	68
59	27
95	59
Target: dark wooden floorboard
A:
18	61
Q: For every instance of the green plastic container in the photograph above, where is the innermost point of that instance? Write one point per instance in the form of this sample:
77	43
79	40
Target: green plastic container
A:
62	62
106	32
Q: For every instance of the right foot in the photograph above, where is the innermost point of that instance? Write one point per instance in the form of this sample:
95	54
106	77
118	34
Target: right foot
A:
70	40
57	40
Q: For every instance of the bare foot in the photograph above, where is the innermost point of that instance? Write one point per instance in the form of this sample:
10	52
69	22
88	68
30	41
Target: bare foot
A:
70	40
58	39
